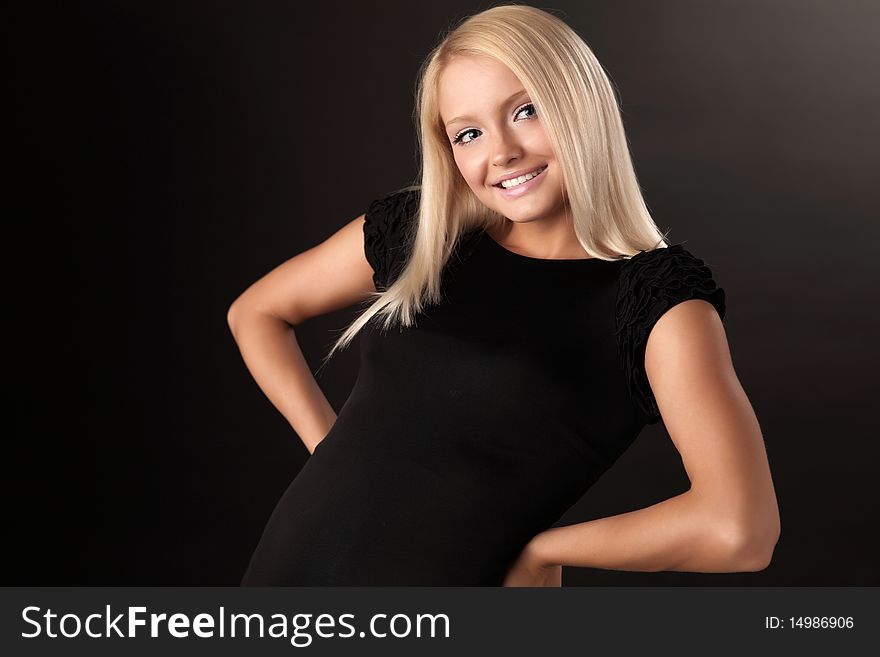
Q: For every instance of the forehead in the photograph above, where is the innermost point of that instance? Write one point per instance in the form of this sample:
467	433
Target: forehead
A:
470	84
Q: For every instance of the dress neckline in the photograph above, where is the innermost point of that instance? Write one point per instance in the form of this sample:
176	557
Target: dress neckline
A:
548	261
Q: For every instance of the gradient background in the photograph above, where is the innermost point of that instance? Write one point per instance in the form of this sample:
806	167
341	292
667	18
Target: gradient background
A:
174	153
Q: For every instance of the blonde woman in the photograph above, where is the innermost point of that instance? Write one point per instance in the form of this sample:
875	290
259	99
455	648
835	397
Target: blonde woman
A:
525	320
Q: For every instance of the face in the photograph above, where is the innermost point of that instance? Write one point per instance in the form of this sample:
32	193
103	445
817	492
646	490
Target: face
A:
494	132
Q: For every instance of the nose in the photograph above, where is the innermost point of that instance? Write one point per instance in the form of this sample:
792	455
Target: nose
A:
505	149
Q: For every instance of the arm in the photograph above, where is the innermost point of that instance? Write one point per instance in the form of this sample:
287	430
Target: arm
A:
728	520
332	275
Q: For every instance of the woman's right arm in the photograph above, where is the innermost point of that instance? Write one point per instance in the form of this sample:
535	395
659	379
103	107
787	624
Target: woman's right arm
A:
333	275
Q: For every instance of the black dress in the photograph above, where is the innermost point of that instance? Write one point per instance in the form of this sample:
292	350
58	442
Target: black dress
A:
475	430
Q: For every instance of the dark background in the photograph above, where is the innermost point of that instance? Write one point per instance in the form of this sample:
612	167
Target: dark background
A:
173	153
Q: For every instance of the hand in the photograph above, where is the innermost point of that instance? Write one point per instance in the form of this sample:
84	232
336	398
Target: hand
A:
530	569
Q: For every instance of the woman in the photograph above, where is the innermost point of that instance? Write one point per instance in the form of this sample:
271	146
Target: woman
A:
527	320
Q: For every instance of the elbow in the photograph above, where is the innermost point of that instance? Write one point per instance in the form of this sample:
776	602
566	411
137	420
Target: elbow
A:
750	546
240	306
236	313
232	317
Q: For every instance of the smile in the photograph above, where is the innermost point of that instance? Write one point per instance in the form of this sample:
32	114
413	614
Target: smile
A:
519	186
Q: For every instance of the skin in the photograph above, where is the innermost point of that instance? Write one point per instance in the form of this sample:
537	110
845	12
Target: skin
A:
728	520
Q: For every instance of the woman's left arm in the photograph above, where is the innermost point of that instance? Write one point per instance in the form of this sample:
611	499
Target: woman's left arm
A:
728	520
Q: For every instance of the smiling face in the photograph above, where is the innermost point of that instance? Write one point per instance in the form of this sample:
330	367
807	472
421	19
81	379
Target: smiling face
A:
495	132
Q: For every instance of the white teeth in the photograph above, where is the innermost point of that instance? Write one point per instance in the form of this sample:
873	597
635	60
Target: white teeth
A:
513	182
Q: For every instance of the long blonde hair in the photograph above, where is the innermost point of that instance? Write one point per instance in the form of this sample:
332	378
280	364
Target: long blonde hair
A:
578	109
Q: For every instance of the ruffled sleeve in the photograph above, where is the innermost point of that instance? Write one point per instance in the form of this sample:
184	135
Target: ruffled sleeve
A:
652	282
389	226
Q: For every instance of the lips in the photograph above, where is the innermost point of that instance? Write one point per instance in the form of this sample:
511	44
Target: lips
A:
522	189
517	174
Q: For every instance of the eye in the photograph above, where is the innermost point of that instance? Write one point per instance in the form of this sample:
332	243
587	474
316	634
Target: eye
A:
458	140
525	107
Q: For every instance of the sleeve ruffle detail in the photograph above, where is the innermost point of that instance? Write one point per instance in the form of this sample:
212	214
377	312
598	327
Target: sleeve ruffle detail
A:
652	282
388	224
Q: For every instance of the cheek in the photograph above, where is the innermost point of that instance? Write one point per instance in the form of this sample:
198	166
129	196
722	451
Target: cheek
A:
539	142
470	173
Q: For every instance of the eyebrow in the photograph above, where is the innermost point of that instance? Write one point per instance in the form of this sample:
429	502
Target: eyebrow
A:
507	101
